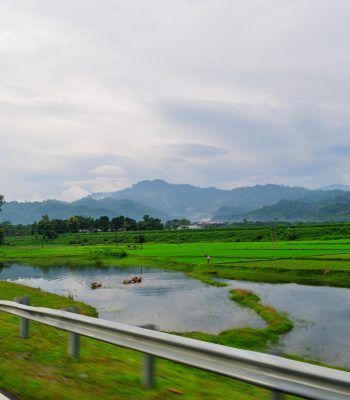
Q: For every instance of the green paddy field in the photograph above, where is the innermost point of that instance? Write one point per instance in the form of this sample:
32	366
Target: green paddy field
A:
37	369
323	262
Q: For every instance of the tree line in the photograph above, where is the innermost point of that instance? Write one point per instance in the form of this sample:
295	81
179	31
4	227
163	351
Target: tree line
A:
51	228
2	201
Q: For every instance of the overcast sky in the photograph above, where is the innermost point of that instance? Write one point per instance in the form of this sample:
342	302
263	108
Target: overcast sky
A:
96	95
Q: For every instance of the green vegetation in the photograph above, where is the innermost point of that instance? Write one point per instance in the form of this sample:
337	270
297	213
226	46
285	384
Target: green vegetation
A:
2	201
316	207
54	232
39	368
321	262
309	262
166	201
249	338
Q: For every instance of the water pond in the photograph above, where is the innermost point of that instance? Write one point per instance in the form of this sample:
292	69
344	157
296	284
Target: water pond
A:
175	302
170	300
321	318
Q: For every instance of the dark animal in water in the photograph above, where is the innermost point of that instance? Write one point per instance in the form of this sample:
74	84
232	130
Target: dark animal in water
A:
95	285
135	279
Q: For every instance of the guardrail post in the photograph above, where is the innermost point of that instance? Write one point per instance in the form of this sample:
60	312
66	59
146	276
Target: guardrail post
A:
148	366
24	326
277	395
74	338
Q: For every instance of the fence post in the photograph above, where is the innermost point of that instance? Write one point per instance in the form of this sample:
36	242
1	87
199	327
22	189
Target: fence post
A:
148	366
24	325
275	394
74	338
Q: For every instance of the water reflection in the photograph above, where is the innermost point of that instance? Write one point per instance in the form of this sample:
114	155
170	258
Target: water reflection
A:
170	300
174	302
320	315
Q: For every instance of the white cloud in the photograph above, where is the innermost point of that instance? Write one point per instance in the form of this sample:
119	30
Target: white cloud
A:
214	93
108	170
73	193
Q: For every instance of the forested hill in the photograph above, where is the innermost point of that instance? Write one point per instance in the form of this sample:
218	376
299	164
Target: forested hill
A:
197	203
27	213
166	201
335	207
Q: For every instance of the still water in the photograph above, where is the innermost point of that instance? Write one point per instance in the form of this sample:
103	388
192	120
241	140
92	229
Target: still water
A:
175	302
320	314
170	300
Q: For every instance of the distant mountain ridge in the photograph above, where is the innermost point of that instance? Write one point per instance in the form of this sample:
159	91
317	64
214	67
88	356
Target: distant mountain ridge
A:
28	212
195	203
336	186
316	207
329	209
166	201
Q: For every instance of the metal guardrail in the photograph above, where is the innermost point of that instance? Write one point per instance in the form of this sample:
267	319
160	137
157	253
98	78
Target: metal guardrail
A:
268	371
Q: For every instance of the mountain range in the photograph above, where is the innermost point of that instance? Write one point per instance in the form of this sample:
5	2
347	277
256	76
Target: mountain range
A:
167	201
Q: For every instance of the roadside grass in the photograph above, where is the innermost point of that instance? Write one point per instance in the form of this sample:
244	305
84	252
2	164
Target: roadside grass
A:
43	370
8	291
39	368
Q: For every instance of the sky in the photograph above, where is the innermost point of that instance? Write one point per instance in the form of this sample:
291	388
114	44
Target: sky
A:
96	95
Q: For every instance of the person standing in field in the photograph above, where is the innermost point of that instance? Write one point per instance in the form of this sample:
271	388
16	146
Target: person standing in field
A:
208	259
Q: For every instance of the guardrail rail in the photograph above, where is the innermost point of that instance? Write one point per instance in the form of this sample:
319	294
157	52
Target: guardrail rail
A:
278	374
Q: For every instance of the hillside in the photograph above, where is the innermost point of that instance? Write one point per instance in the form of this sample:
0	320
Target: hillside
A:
197	203
335	207
27	213
166	201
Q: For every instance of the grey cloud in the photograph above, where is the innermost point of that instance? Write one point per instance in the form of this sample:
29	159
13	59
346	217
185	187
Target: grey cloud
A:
232	122
195	150
185	90
337	151
46	108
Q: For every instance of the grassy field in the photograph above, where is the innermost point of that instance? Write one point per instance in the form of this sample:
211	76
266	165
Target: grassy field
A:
243	233
109	372
195	251
308	262
39	368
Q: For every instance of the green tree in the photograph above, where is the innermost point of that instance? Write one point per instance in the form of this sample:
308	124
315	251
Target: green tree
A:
46	228
117	223
86	223
140	239
34	229
44	224
129	224
177	223
2	201
59	226
103	223
73	224
150	223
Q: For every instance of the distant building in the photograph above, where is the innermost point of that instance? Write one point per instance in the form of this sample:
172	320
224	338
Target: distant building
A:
195	226
207	224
